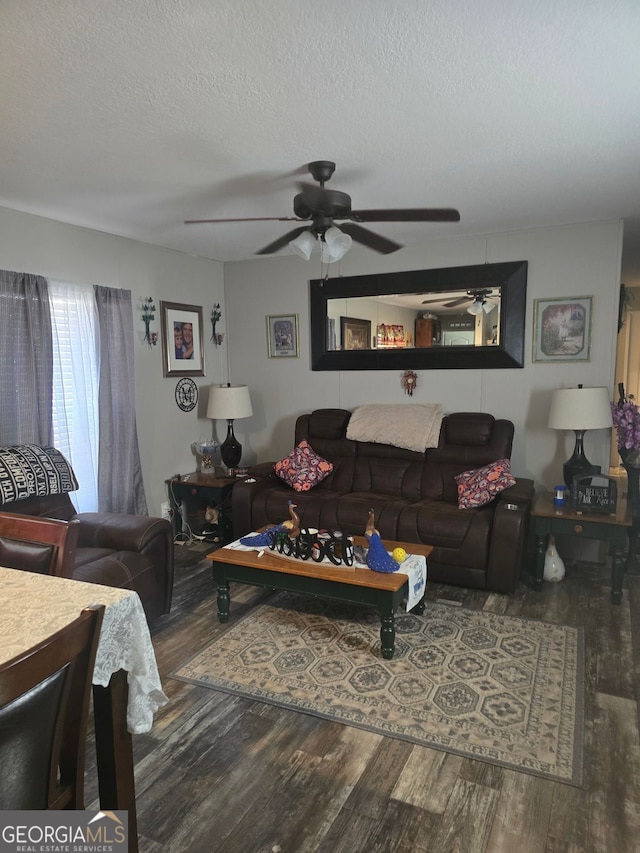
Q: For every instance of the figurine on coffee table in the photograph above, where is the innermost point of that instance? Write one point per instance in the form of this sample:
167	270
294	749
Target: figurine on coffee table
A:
378	558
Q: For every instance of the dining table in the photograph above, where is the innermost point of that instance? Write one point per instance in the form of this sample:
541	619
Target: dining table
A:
127	690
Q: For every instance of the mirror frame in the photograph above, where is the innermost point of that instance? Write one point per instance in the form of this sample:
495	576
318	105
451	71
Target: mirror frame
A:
510	276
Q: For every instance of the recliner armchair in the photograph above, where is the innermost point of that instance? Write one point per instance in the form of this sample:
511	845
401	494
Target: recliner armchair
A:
128	551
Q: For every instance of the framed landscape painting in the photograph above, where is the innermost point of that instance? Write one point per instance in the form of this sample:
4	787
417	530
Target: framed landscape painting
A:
562	329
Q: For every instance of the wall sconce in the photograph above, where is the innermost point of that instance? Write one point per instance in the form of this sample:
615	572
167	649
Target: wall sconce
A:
149	314
216	314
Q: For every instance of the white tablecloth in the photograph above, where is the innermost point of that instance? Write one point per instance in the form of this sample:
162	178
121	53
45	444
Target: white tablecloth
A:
34	606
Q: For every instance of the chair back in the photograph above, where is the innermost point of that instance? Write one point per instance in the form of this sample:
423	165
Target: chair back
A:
44	706
43	545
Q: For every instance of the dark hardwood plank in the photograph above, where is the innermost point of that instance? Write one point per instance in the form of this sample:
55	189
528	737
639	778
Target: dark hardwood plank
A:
467	821
614	808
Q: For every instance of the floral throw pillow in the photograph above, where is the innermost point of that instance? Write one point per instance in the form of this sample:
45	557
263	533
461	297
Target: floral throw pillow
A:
303	468
480	486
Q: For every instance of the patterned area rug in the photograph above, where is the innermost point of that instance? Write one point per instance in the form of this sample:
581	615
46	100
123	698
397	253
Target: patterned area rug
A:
500	689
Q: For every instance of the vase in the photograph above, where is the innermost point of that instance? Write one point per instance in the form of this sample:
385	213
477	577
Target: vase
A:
633	488
553	563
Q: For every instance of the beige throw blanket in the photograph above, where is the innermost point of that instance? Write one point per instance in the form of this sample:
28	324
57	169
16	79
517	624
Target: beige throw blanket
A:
413	427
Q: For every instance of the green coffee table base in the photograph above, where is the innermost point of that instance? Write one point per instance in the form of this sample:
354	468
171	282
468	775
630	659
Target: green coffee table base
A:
386	601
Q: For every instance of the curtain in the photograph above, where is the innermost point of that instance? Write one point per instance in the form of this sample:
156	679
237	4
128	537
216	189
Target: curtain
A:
120	486
76	347
26	357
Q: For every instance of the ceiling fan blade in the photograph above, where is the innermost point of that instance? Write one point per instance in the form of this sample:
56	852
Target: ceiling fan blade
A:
281	241
449	304
369	239
427	214
246	219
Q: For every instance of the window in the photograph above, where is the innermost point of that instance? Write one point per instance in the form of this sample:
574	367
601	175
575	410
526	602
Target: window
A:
76	370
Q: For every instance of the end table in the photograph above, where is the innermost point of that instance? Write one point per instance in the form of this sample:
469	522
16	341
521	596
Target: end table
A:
204	489
548	519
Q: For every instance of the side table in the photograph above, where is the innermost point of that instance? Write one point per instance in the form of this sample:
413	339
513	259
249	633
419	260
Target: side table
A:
206	490
548	519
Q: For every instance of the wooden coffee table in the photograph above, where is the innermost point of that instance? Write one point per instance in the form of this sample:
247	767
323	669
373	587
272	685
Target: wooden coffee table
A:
359	586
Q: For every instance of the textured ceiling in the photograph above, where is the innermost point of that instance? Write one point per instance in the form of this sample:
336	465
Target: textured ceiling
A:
129	116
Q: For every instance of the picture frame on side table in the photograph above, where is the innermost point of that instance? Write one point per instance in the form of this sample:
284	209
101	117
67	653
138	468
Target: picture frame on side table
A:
282	336
562	329
182	339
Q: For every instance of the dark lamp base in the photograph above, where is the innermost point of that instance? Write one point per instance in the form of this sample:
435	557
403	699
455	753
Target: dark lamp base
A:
578	465
231	449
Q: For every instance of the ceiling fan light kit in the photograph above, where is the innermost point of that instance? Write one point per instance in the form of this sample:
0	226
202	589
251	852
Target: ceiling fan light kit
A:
303	244
475	308
323	206
337	243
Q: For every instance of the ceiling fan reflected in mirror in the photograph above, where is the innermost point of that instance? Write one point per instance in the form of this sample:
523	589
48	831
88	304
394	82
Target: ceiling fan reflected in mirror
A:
481	300
321	208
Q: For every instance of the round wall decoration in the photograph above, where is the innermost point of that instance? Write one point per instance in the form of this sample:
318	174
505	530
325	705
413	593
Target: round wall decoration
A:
186	394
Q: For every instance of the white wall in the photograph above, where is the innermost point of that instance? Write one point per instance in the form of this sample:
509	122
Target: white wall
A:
45	247
576	260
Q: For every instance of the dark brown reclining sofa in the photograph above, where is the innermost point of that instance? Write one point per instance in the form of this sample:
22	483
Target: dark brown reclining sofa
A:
128	551
413	495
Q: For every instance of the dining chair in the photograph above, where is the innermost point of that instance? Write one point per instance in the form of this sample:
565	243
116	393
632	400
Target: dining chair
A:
35	544
44	706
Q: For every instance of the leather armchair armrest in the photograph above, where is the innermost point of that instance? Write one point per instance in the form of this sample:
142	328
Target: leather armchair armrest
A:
120	531
142	534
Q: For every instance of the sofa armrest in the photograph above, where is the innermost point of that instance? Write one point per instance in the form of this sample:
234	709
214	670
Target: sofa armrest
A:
509	535
522	492
244	494
262	469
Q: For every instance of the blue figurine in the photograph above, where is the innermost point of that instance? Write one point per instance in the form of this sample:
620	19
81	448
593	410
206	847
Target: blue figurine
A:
378	558
292	526
258	540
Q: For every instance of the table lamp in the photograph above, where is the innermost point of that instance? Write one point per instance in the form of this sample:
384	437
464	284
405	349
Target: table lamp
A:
229	402
579	409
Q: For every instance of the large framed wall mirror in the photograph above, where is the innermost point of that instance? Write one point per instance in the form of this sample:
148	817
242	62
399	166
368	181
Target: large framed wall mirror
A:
457	317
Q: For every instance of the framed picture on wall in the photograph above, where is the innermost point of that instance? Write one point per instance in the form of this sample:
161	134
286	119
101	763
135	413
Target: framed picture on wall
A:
562	329
354	333
282	336
182	339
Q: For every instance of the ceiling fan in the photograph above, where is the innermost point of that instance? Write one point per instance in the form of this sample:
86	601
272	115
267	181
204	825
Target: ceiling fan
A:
322	207
482	299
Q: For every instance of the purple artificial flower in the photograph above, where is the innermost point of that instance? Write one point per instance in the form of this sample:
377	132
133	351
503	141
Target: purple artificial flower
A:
626	420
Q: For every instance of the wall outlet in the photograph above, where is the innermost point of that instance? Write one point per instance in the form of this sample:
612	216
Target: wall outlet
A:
165	510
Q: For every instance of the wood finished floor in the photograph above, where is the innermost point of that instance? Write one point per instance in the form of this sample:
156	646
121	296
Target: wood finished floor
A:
223	773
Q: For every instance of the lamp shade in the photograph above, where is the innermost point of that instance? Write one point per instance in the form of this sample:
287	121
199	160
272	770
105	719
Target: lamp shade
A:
580	409
229	402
